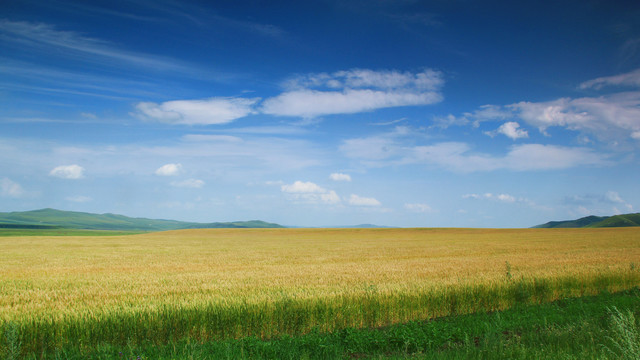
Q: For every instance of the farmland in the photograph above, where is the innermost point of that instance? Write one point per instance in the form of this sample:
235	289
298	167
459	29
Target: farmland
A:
82	292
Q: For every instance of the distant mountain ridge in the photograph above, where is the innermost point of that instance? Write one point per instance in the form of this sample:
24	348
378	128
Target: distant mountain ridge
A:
52	218
595	222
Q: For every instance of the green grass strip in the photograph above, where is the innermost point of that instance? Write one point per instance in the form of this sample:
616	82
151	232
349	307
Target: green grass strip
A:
602	326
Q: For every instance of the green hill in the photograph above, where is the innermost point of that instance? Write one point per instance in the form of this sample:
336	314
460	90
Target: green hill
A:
582	222
595	222
52	218
619	221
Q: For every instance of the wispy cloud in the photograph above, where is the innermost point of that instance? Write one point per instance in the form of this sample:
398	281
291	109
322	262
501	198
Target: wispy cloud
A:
189	183
627	79
340	177
419	208
385	150
9	188
489	196
77	47
606	203
353	91
41	35
79	199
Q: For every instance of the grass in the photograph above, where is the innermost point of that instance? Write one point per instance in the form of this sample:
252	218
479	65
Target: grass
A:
214	286
591	327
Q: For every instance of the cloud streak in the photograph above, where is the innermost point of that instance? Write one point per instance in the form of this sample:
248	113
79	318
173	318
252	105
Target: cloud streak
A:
9	188
392	150
353	91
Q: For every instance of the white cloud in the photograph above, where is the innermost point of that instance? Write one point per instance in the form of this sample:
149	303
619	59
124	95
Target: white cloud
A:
549	157
10	188
72	172
308	192
590	204
615	198
354	91
302	187
395	148
340	177
79	199
211	138
218	110
612	117
484	113
189	183
365	78
169	170
511	130
495	197
420	208
370	148
630	79
529	157
363	201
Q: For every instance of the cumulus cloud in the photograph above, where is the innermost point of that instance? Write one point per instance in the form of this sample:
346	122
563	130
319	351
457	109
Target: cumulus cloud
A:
612	117
217	110
169	170
308	192
9	188
72	172
354	91
189	183
340	177
356	200
511	130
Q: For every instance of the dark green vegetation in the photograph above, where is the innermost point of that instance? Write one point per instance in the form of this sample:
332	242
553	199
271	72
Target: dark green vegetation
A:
604	326
47	219
595	222
57	231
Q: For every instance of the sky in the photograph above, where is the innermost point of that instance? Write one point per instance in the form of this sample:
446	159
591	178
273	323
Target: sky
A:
401	113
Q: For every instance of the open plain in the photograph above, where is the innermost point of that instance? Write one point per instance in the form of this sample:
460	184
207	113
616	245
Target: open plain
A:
209	285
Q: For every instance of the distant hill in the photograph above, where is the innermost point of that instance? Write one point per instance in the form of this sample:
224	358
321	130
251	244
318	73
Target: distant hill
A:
619	221
52	218
595	222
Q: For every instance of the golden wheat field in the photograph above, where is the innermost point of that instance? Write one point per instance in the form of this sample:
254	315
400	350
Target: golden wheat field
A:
209	284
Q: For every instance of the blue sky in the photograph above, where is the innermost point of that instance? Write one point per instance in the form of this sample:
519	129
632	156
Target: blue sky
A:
322	113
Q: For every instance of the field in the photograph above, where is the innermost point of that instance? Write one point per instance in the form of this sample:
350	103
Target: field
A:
79	293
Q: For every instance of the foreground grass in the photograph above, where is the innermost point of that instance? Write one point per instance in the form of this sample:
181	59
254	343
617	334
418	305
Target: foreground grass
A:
593	327
212	286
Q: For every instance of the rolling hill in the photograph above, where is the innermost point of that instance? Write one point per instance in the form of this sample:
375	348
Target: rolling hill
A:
52	218
595	222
